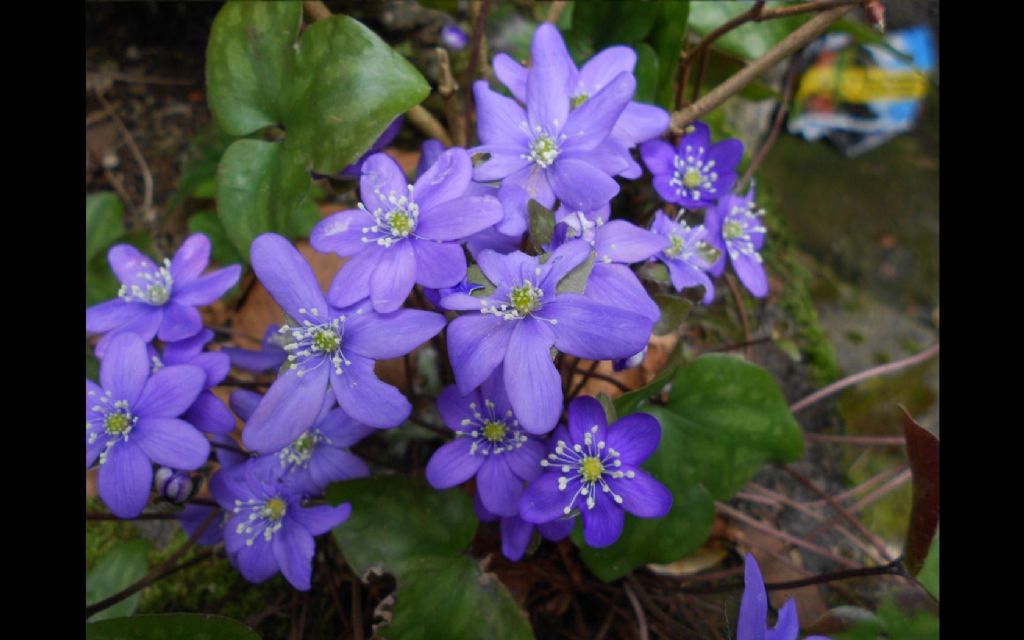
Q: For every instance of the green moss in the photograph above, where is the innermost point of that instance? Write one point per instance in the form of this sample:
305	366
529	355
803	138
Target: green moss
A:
785	262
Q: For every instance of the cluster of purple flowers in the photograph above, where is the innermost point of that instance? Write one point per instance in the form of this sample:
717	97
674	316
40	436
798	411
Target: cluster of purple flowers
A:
563	138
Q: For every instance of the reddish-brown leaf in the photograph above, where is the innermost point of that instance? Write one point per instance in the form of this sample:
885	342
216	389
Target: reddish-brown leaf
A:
923	452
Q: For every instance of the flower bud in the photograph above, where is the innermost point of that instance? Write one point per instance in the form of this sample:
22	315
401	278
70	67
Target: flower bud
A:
174	486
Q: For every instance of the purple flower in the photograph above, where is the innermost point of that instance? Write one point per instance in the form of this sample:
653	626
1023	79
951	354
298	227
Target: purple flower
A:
753	624
159	301
437	296
453	37
736	228
637	122
131	421
506	234
523	318
696	173
689	256
617	244
269	357
329	349
269	530
489	444
207	413
552	150
319	455
404	234
594	469
516	532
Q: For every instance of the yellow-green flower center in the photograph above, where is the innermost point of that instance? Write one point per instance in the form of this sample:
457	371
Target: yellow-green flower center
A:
692	178
732	229
525	298
326	341
543	151
117	423
591	468
274	509
708	253
677	246
578	100
304	444
494	431
401	223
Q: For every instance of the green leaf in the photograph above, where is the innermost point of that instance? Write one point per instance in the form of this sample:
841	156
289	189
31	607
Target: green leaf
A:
660	540
608	22
170	626
453	598
249	63
257	190
647	73
121	567
748	41
100	282
667	40
673	311
542	224
333	92
306	217
104	222
221	249
929	574
404	527
92	365
397	519
576	280
349	85
629	402
733	418
476	276
654	272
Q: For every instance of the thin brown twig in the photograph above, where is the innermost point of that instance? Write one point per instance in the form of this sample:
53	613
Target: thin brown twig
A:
782	535
141	516
867	374
741	309
316	10
849	494
605	378
705	43
867	500
446	88
780	119
478	16
555	11
838	508
165	569
583	381
863	441
641	619
147	213
791	43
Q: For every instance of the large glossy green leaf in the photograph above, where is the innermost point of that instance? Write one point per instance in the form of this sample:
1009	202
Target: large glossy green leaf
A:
404	527
104	222
121	567
733	418
748	41
349	85
259	187
170	626
249	62
333	92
